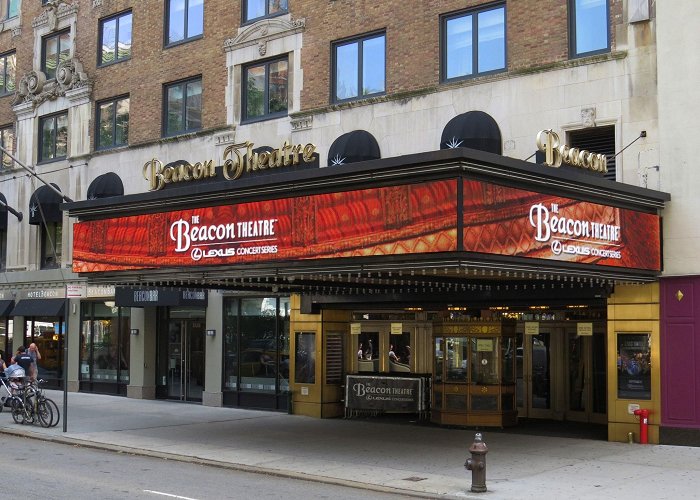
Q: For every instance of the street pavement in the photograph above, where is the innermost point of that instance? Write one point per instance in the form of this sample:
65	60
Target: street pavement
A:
391	455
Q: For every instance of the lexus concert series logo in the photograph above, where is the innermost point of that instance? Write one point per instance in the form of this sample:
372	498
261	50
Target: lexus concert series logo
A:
556	247
574	236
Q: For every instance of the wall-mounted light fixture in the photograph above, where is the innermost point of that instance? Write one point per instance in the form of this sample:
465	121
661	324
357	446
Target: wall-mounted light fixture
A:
134	331
211	333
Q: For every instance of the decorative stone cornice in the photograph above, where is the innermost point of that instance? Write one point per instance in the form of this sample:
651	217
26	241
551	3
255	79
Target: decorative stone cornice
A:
302	123
54	11
34	89
16	31
264	31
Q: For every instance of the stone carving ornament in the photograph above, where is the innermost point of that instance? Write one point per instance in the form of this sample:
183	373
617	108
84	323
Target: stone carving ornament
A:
33	87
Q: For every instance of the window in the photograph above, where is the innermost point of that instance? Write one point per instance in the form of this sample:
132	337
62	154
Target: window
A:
51	244
183	107
104	347
599	140
115	39
266	91
112	123
53	137
255	9
3	254
359	68
473	43
184	20
588	27
55	49
12	9
7	141
8	70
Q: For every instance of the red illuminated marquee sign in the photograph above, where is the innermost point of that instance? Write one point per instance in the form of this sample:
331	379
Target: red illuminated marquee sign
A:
396	220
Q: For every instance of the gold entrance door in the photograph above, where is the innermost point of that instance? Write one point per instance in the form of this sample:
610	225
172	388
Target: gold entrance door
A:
538	373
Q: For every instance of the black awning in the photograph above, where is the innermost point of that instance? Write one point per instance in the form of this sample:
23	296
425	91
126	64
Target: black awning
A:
474	129
358	145
3	212
5	307
104	186
45	204
39	307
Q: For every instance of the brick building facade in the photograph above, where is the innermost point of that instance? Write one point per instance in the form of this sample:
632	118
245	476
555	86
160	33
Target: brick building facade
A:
182	80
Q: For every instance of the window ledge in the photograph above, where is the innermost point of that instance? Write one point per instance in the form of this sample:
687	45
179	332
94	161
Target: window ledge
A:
477	80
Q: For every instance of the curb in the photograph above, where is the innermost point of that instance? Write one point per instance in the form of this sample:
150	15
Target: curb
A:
234	466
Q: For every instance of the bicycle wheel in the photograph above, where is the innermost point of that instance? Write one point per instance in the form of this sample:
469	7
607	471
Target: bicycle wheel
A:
44	413
56	414
18	411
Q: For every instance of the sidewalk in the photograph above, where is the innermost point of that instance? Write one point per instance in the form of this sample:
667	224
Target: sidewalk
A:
410	459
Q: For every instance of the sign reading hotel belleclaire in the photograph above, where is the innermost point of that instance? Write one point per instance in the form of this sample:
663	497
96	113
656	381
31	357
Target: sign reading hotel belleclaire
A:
237	159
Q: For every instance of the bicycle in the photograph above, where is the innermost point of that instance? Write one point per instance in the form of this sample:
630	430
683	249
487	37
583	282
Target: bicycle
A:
42	399
31	406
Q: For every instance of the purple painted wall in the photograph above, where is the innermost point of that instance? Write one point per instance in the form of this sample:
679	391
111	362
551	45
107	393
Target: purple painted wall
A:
680	352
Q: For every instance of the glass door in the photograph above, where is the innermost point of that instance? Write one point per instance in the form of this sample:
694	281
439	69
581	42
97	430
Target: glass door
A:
185	379
535	374
586	394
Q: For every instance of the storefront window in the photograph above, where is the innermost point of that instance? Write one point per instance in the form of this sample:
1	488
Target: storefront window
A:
305	358
457	359
104	347
256	344
6	339
634	366
484	367
48	335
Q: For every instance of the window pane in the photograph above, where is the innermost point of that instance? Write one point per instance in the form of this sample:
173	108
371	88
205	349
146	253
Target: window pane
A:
13	9
346	57
254	8
109	32
47	138
61	135
7	137
64	47
58	242
121	134
106	117
124	46
277	6
491	44
591	25
195	18
2	75
459	47
255	92
176	21
50	56
194	106
373	66
10	72
175	118
278	87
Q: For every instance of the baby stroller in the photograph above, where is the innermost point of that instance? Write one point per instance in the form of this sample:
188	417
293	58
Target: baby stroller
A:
12	381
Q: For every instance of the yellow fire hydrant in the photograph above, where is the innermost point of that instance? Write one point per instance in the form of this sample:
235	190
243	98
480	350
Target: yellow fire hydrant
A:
477	463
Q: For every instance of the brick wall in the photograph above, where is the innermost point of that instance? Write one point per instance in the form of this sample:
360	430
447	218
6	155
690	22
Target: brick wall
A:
537	34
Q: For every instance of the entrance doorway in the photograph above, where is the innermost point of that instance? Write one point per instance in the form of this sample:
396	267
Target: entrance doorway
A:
561	375
185	363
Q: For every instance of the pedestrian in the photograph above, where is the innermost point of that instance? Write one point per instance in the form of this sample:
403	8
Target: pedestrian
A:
24	359
36	356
